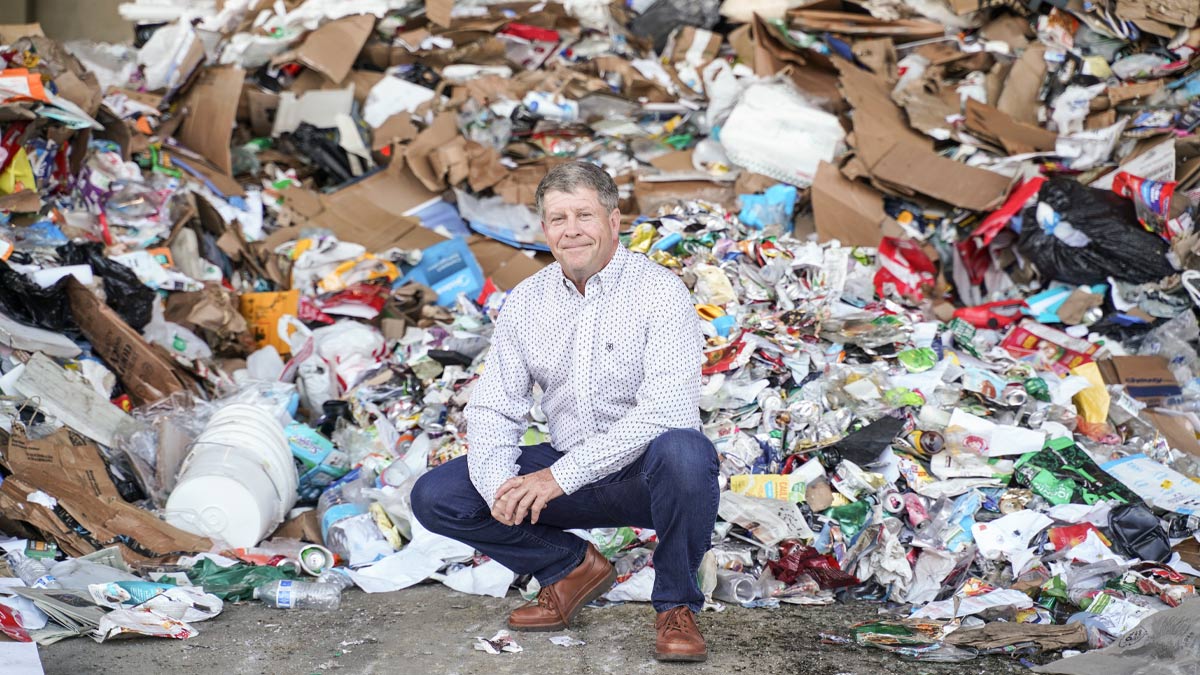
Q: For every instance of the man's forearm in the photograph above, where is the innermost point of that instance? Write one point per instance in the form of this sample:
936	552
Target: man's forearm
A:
492	451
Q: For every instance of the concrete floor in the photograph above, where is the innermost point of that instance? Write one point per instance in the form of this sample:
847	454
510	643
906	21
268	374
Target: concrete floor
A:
431	629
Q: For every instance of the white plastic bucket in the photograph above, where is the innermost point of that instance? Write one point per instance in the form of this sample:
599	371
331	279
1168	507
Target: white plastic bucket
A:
272	432
270	449
233	500
238	480
245	409
282	477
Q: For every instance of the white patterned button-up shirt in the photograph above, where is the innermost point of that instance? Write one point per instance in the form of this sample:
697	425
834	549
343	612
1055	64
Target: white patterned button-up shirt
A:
617	367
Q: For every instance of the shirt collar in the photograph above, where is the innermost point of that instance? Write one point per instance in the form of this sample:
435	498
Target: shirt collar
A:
606	278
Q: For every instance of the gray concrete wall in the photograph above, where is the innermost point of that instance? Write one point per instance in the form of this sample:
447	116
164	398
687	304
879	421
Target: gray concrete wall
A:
13	11
71	19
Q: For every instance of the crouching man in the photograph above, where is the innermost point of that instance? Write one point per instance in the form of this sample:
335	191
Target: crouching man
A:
614	343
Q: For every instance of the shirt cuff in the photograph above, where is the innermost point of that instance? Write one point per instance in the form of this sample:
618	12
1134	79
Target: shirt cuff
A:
568	474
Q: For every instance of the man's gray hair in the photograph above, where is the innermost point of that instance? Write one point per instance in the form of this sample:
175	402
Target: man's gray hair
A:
573	175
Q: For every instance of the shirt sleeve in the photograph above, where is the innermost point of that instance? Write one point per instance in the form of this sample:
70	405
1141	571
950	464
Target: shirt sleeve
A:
668	397
496	412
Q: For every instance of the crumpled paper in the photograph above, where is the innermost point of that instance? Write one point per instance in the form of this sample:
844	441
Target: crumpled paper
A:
502	641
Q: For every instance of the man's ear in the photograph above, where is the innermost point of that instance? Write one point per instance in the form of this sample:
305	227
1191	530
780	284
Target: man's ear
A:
614	221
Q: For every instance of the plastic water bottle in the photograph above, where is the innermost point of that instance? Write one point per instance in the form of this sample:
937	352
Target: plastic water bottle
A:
32	571
287	594
336	577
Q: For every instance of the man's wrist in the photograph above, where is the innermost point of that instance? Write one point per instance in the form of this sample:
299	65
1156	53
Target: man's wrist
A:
561	471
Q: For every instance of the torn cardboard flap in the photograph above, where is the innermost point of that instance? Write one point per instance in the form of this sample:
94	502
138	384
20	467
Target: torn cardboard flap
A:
929	105
485	167
332	48
1016	138
1177	430
395	129
64	455
1018	98
146	98
813	73
371	211
846	210
83	92
1009	29
144	372
651	194
678	161
260	107
964	7
507	266
443	131
1132	91
863	25
519	186
1161	17
214	313
94	522
439	11
305	527
211	111
449	162
896	155
695	46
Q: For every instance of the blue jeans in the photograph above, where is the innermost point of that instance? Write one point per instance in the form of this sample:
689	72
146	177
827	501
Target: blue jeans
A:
672	488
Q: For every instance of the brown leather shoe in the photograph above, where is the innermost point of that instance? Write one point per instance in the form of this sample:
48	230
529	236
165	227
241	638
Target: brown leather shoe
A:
679	638
558	603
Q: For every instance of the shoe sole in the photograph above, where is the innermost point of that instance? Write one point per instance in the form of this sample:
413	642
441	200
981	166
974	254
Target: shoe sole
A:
692	658
596	591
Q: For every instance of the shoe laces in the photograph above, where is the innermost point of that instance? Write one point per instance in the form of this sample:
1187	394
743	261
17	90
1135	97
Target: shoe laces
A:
546	600
679	619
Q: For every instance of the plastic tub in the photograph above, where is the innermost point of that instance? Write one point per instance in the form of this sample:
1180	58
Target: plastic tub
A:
282	477
270	449
233	500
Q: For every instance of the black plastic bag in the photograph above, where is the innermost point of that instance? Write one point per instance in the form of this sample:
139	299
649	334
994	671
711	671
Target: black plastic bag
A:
1119	247
124	292
323	148
1136	533
865	446
25	301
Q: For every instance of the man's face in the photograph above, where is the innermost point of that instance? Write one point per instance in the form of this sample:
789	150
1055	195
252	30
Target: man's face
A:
581	235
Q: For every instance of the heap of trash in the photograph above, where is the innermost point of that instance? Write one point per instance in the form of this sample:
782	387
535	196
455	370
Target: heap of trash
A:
945	253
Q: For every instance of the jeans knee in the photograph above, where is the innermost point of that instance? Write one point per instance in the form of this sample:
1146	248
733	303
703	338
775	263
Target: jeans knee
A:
424	502
683	452
444	497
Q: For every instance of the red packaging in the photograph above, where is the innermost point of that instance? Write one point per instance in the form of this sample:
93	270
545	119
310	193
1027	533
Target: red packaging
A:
1073	535
1151	199
904	270
10	625
1053	348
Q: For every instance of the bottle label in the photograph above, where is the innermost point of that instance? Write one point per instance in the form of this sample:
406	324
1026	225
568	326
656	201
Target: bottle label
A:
285	597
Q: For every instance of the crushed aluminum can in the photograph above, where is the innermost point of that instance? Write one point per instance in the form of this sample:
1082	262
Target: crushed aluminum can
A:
1015	394
315	559
1015	500
918	514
